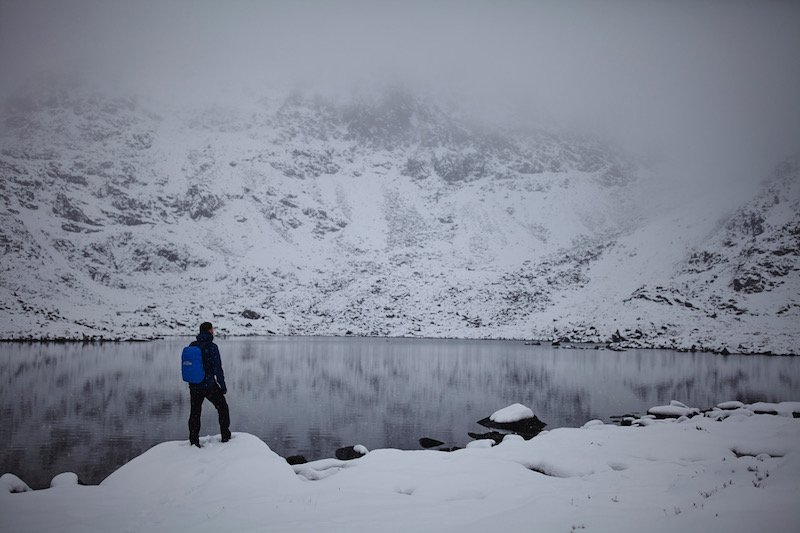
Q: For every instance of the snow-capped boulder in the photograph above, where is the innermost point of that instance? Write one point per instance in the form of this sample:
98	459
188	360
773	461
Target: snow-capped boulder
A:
512	413
515	418
348	453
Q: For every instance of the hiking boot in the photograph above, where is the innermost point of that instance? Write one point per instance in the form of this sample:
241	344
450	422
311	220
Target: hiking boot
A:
226	438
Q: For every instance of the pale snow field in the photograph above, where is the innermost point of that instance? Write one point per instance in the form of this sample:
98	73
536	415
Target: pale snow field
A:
725	470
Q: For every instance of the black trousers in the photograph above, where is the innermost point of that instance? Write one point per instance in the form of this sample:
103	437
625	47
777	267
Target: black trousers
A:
215	396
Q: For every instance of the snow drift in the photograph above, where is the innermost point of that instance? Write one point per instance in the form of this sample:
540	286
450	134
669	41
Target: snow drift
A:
705	473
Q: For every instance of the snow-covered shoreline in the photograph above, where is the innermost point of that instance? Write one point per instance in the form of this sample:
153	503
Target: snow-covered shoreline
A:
728	469
578	343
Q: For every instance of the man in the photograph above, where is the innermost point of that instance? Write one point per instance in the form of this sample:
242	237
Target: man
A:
211	388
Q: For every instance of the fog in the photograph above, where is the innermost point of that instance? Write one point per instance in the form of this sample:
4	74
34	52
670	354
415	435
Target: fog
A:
709	89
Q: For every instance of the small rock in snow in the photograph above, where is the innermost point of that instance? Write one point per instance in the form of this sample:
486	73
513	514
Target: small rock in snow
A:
348	453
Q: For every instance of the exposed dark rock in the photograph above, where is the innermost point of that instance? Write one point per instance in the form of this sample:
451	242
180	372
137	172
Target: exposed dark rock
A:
765	411
128	220
199	204
348	453
454	167
141	141
296	460
426	443
307	163
752	283
64	208
75	228
627	415
55	171
496	436
416	168
250	314
528	427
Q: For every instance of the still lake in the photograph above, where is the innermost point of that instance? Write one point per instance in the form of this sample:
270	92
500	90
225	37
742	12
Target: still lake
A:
89	408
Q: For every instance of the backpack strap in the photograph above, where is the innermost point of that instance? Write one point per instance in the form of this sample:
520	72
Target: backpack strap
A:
206	358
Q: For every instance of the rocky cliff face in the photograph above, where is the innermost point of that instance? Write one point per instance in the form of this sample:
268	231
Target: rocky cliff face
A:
383	214
741	279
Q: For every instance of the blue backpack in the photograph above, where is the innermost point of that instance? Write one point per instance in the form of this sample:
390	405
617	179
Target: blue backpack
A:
192	368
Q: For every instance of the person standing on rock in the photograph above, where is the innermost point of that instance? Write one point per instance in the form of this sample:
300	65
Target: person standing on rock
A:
212	388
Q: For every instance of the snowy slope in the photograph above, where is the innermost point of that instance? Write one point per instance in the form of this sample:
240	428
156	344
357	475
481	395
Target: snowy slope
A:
382	214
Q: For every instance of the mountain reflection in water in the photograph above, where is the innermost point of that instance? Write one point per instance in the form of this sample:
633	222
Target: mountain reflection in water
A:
89	408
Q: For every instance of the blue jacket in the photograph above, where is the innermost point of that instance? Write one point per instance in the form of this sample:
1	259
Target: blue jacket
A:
211	362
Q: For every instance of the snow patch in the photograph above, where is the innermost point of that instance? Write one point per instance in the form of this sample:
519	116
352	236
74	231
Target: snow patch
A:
512	413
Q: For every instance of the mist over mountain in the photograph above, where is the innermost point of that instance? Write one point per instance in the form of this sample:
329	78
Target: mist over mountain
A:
383	212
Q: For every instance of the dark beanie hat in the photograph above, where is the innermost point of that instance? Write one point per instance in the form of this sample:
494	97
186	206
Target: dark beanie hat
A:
205	326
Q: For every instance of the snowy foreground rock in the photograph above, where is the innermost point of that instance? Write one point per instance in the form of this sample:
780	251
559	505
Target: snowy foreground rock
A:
725	470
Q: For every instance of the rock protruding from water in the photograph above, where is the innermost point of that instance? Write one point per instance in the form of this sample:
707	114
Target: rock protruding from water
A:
516	419
428	443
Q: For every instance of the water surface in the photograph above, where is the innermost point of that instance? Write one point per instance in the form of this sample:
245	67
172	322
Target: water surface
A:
89	408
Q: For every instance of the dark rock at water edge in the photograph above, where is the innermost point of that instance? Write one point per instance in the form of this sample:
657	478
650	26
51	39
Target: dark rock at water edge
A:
427	443
528	427
496	436
348	453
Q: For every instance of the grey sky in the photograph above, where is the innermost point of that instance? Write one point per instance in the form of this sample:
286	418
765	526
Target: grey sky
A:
714	82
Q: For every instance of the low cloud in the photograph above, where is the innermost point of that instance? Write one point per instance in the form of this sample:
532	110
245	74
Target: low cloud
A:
709	86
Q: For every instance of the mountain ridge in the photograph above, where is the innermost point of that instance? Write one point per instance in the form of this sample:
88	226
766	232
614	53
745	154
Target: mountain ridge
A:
384	215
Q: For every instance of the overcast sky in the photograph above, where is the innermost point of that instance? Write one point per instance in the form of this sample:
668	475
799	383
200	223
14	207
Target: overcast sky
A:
715	83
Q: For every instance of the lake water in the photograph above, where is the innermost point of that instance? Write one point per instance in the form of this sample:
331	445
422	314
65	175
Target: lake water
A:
89	408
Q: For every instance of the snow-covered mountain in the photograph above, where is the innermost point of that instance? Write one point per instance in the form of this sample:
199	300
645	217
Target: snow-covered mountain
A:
386	213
